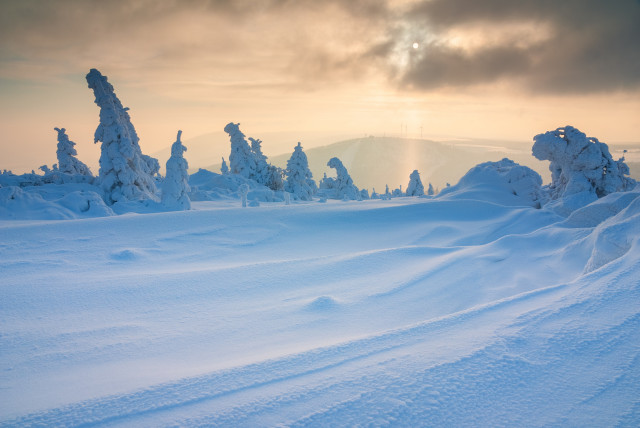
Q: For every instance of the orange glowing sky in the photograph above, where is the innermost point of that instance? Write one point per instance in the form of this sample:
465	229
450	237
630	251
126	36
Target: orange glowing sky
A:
490	69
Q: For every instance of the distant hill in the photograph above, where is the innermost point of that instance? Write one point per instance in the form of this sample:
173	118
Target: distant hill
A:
377	161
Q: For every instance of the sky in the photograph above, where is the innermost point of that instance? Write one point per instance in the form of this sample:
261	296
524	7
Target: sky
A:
497	69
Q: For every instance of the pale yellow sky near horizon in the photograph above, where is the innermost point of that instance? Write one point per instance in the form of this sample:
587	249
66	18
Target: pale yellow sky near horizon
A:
489	69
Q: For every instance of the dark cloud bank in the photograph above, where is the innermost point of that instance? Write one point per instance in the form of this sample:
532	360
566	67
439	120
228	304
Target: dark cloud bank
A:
590	46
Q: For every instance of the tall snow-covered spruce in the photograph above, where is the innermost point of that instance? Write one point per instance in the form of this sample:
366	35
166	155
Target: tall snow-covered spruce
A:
175	187
125	173
415	187
241	160
299	178
66	153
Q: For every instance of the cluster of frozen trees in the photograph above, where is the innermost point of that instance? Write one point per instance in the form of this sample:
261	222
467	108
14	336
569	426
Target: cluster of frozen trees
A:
581	167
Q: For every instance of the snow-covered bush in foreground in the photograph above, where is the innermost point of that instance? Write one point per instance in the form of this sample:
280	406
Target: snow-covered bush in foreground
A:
175	187
125	173
66	153
582	168
299	180
415	187
504	182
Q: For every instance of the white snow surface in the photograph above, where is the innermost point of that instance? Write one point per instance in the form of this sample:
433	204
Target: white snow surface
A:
446	311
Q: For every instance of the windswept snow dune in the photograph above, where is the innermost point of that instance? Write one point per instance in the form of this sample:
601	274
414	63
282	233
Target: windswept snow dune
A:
410	312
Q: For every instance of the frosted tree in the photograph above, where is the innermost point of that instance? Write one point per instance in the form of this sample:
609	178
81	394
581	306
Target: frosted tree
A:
261	173
66	153
125	173
343	183
175	187
415	187
241	159
275	178
580	164
299	180
430	190
224	169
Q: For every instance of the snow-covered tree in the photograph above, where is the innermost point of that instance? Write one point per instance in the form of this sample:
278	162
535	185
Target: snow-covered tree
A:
415	187
261	173
343	184
430	190
580	164
175	187
275	178
125	173
299	180
241	159
66	153
224	169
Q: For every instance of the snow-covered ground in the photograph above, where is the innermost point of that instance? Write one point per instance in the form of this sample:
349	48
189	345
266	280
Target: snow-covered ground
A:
453	311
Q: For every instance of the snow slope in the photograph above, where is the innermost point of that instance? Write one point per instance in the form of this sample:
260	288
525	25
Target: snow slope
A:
453	311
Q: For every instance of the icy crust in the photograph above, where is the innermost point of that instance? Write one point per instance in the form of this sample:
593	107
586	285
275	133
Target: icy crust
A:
125	173
504	182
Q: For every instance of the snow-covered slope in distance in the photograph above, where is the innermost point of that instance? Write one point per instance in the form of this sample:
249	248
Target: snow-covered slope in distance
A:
413	312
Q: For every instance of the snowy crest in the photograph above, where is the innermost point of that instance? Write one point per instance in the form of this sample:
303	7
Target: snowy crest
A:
504	182
175	187
580	164
125	173
415	187
67	162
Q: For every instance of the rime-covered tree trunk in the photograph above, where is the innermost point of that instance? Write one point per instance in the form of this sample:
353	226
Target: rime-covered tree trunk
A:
125	173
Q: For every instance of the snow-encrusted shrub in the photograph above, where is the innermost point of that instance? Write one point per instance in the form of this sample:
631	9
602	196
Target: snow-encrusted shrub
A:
415	187
175	187
224	169
299	180
342	186
125	173
580	164
430	191
243	190
504	182
66	153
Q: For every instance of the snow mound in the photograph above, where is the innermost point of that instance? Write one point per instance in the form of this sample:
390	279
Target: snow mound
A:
27	204
210	186
616	236
504	182
322	304
598	211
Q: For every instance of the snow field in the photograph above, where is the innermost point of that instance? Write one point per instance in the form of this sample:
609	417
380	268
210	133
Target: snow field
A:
410	312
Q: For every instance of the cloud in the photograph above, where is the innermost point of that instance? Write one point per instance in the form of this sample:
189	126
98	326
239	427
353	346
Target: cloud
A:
588	46
544	46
